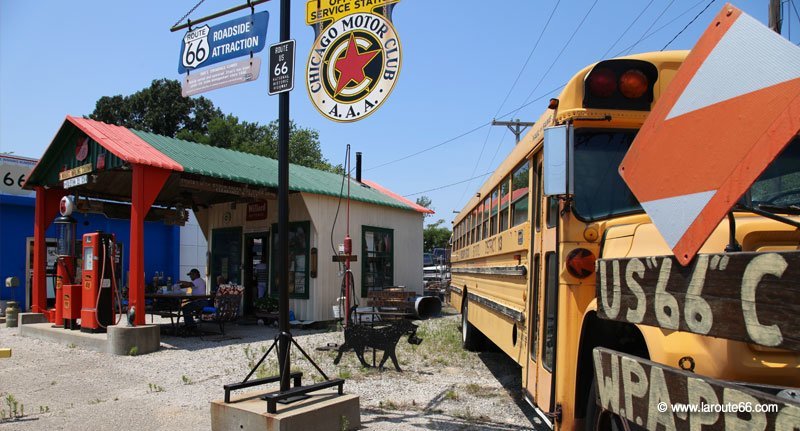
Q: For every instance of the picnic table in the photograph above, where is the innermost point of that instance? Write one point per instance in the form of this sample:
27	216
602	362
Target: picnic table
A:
170	305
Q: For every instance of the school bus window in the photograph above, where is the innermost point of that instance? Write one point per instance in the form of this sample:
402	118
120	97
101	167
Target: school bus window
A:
493	210
535	307
551	285
537	204
486	221
475	226
552	212
504	205
519	194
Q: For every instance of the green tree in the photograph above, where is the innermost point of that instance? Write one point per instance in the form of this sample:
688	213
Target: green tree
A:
425	202
159	108
435	236
162	109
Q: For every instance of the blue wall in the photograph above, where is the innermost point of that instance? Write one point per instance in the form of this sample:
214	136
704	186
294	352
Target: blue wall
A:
161	253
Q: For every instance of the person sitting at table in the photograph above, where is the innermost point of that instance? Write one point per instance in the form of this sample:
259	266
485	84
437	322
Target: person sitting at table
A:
198	286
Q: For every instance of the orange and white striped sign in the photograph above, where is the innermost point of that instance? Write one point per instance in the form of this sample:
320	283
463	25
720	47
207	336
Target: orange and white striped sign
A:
732	107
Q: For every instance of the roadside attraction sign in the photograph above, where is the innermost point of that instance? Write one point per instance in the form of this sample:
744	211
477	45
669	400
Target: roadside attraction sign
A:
205	45
355	60
730	110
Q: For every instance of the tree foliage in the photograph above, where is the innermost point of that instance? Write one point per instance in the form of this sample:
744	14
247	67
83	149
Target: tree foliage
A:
435	236
162	109
426	202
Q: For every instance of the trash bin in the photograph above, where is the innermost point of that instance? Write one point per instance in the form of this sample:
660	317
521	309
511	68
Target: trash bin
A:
12	312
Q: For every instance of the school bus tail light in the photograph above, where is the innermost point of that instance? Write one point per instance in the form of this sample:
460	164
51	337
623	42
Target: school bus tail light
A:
580	263
602	82
633	84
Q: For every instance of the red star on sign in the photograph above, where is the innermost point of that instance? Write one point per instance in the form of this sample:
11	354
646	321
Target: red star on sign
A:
351	65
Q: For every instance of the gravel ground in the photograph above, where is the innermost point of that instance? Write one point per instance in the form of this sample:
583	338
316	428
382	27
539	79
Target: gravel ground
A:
441	387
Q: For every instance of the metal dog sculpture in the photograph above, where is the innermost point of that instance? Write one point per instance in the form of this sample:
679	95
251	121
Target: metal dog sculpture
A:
385	337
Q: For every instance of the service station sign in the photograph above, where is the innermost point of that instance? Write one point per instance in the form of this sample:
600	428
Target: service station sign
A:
355	60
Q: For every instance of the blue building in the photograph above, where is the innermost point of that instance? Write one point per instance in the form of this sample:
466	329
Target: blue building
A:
162	247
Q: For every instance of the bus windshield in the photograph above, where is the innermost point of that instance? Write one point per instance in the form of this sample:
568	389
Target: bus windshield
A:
601	193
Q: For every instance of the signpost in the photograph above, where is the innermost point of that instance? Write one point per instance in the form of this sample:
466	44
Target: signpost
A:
730	110
206	45
356	57
225	75
281	67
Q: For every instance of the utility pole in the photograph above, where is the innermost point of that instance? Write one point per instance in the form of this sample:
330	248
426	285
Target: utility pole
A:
775	16
516	126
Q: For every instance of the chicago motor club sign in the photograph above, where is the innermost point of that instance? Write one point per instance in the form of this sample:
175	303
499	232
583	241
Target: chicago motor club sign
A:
356	57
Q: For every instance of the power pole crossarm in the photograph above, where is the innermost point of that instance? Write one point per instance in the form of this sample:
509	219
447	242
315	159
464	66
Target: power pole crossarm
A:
517	127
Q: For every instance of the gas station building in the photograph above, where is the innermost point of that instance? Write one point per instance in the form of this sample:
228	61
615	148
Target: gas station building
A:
16	236
233	197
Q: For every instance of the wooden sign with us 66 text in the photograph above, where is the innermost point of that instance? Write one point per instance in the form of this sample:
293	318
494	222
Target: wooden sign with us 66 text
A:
750	297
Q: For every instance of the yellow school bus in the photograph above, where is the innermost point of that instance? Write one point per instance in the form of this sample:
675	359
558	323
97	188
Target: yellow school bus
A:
523	260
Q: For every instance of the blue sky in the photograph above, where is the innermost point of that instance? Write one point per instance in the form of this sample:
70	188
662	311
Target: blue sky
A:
460	59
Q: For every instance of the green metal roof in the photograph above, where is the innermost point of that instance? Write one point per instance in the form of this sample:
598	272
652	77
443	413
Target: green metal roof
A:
258	170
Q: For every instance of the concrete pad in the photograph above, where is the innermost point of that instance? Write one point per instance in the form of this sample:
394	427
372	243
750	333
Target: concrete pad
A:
121	339
28	318
118	340
324	410
45	331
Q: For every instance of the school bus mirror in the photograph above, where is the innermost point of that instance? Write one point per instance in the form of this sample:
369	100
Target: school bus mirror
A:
557	161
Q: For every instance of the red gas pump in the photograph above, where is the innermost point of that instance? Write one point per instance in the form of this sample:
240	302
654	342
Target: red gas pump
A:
99	282
65	263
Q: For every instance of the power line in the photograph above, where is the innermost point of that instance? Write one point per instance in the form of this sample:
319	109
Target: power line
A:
648	36
560	53
475	129
530	54
687	25
448	185
652	24
485	140
627	29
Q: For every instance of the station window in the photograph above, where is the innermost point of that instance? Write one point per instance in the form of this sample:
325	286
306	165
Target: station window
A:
377	269
504	205
519	194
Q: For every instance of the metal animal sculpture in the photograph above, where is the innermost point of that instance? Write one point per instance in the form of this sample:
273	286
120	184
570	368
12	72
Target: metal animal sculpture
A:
385	337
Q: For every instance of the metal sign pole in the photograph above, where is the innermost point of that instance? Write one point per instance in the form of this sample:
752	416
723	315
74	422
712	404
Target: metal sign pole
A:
283	217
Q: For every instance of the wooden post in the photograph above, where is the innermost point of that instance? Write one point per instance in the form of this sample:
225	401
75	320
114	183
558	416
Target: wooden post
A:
45	211
146	185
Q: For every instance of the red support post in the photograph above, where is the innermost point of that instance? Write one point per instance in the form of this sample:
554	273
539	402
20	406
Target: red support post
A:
147	184
45	211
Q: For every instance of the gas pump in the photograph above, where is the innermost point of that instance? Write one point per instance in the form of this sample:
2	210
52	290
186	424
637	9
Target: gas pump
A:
65	264
99	282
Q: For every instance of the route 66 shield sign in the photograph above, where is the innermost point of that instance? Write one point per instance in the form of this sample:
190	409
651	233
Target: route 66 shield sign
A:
195	47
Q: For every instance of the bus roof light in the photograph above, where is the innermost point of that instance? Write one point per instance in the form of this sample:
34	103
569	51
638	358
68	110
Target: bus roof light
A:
633	84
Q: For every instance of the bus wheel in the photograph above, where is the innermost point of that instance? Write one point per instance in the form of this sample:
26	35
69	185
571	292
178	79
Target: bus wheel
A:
598	419
470	337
